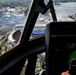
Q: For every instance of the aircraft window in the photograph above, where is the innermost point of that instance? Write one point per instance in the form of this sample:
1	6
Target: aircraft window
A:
46	1
65	10
12	20
40	61
13	15
39	64
24	68
42	21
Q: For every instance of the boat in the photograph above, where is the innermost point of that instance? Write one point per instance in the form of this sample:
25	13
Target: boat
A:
39	29
14	36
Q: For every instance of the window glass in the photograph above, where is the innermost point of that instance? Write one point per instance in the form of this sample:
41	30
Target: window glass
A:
24	68
42	21
40	65
65	10
12	20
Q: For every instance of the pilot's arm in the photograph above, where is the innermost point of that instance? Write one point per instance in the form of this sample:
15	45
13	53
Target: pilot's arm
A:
65	73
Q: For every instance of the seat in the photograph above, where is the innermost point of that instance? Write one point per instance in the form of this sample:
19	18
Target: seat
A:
60	38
